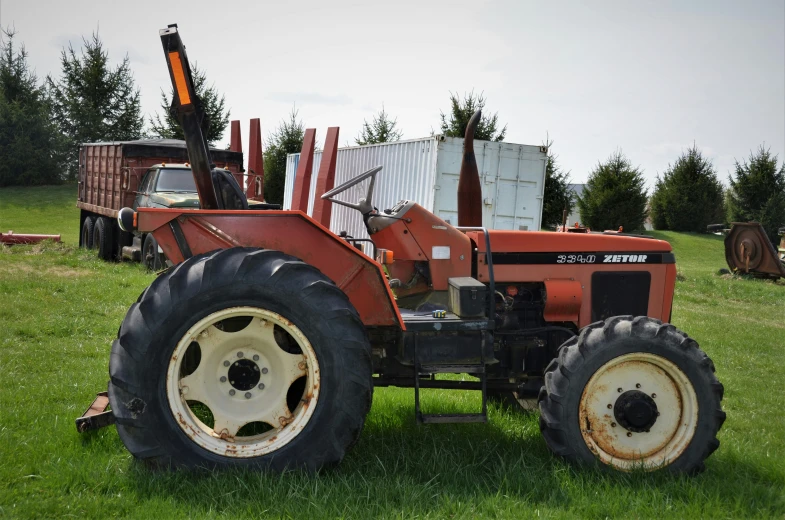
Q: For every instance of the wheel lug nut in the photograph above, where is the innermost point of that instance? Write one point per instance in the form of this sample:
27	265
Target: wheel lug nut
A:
261	386
638	385
231	392
613	425
264	370
239	354
654	396
256	357
226	363
247	395
619	390
629	434
223	379
610	406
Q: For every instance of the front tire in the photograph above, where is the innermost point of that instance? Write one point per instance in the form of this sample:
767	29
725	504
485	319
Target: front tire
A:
151	258
241	357
632	393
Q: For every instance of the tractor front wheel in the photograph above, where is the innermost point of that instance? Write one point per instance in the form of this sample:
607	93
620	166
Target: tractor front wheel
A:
632	393
241	357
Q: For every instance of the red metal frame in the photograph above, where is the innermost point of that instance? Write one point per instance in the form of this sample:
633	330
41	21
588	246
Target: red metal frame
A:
255	189
12	238
235	139
302	179
322	209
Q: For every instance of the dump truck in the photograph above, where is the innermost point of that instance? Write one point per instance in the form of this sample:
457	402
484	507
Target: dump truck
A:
146	173
262	345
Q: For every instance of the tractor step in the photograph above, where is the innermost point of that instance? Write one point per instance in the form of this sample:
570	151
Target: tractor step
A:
476	368
452	369
453	418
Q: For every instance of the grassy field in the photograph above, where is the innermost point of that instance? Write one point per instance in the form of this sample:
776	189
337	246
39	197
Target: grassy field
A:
60	309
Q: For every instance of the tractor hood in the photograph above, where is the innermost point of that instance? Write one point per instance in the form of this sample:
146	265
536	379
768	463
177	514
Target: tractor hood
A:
175	200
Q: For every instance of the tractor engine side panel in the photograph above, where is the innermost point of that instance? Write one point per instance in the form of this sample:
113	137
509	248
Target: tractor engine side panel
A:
618	275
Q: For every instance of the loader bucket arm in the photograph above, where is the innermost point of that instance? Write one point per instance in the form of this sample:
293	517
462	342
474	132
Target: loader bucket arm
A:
187	109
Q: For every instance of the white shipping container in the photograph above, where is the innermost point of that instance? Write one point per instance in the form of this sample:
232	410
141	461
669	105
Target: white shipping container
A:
426	170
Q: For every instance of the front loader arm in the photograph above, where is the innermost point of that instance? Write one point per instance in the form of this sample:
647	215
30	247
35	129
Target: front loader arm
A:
187	109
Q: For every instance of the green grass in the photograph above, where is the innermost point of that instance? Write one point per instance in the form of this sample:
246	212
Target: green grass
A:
60	309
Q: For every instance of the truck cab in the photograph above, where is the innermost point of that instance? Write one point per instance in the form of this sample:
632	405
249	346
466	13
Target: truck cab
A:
167	186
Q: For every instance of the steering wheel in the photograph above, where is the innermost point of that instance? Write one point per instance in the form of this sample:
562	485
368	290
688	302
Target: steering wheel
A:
363	205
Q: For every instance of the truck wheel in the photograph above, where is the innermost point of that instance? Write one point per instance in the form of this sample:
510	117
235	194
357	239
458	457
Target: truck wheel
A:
102	238
150	255
87	232
632	393
241	357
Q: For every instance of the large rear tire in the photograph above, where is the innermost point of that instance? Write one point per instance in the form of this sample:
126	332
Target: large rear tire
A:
632	393
241	357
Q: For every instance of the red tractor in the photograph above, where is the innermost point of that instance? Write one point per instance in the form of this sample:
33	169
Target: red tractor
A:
262	344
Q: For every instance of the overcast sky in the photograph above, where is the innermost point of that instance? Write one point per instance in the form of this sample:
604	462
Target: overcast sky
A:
649	77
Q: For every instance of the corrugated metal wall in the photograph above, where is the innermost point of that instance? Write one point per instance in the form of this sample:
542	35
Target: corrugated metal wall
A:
426	170
409	173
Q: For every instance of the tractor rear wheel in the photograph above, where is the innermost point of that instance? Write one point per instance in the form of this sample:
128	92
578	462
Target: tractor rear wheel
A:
241	357
632	393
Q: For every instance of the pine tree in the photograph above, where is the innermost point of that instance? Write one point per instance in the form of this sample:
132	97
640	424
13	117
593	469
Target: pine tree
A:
614	196
689	196
461	110
381	129
757	193
92	101
286	139
214	105
30	144
558	195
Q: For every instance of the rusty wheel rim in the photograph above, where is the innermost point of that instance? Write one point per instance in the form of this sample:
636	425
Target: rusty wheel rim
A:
243	382
656	385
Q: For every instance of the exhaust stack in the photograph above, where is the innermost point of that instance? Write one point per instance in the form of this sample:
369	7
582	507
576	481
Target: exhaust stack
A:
469	190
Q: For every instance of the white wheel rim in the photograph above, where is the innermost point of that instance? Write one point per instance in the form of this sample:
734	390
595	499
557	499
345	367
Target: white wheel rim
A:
666	439
232	404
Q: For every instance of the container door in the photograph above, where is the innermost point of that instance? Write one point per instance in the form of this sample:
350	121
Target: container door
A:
512	178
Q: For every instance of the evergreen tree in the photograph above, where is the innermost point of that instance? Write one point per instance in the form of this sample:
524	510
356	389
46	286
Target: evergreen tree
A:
461	110
758	192
30	144
558	195
657	207
214	105
286	139
689	197
92	101
381	129
614	196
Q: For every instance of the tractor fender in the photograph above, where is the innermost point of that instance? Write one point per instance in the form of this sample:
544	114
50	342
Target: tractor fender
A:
182	234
